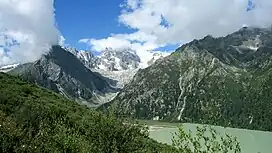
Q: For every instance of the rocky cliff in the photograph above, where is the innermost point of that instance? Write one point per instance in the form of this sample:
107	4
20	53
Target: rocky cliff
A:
63	73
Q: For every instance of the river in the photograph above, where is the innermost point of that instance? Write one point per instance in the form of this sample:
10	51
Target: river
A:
250	141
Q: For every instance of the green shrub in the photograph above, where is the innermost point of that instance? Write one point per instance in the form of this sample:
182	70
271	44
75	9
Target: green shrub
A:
206	140
34	119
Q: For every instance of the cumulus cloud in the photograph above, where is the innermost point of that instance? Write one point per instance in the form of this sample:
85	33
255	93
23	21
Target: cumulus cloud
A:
131	4
140	42
84	40
137	41
190	19
27	30
162	22
2	40
62	41
137	36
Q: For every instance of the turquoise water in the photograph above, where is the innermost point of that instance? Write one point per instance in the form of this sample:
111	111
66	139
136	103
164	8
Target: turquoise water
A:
251	141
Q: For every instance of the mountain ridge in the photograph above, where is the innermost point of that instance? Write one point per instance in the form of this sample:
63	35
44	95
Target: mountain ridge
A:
119	65
63	73
76	74
210	81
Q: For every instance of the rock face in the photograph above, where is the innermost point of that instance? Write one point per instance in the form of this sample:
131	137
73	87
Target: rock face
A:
109	60
223	81
119	65
63	73
118	60
79	75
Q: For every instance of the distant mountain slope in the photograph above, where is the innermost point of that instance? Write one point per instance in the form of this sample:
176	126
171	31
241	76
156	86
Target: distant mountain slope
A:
81	76
63	73
34	119
223	81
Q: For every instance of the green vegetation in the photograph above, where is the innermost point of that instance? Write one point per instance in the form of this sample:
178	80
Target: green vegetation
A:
207	140
33	119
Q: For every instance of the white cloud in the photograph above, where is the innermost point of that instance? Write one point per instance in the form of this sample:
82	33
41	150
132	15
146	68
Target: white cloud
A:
137	36
84	41
162	22
31	23
137	41
62	41
110	42
3	56
2	40
132	4
194	18
144	19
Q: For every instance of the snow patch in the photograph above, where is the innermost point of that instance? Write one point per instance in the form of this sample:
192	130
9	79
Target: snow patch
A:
253	48
7	68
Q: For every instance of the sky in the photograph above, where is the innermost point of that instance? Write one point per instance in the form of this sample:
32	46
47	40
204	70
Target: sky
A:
88	18
99	22
29	27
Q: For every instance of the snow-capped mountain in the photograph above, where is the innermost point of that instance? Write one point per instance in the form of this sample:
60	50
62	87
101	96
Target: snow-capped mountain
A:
87	58
117	60
156	56
109	60
119	65
7	68
82	76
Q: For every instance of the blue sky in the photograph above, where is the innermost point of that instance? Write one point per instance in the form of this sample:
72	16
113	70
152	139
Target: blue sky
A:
96	19
87	18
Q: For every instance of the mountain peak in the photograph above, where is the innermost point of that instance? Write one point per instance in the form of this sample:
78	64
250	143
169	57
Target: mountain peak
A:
64	73
118	60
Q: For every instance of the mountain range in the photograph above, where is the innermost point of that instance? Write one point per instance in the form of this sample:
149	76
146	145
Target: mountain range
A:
117	64
224	81
81	76
63	73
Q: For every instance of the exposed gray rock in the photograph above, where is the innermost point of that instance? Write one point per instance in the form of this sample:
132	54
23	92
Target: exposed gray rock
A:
118	65
223	81
63	73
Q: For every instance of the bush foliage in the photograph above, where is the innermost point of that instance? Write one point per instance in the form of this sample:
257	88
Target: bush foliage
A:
34	119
